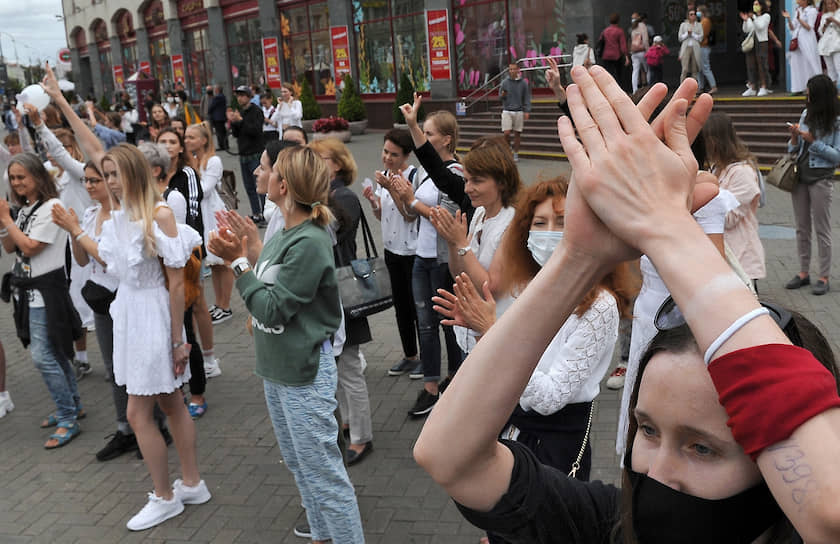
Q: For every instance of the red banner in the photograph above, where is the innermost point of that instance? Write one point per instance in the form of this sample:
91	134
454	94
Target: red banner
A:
178	69
340	51
118	76
437	32
271	63
146	67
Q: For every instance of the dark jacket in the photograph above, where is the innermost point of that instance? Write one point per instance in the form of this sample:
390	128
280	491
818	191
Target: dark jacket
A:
63	322
347	209
217	108
186	182
447	181
249	131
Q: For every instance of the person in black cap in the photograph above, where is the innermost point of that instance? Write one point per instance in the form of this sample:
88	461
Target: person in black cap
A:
246	126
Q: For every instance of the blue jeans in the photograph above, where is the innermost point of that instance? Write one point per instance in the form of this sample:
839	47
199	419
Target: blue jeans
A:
250	182
426	278
706	75
306	429
57	371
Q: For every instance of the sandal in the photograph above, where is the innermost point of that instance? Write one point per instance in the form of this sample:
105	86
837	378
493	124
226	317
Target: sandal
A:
73	430
52	419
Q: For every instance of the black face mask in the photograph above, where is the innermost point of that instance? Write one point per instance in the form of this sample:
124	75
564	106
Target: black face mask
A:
664	515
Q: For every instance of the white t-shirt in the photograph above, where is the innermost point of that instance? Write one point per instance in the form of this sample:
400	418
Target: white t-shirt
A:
428	194
40	227
98	273
176	201
398	235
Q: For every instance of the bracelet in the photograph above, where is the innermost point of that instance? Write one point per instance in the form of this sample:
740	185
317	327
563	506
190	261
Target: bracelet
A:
4	232
80	235
176	345
731	330
414	203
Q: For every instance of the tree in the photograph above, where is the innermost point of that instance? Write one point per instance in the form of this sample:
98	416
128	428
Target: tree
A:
311	108
351	107
405	95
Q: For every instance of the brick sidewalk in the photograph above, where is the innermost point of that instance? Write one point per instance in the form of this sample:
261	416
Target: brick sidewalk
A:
67	496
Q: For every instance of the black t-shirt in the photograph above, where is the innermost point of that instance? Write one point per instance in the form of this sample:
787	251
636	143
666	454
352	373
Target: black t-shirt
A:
544	505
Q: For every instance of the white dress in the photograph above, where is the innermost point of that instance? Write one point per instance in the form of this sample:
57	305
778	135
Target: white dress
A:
142	322
211	202
805	61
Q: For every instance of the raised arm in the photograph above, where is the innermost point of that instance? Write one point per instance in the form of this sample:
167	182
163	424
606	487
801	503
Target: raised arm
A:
55	148
88	141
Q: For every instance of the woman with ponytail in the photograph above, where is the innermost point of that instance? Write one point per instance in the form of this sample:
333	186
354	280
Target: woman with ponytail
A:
293	315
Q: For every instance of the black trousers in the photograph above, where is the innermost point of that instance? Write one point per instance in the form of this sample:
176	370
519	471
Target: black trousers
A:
198	381
221	134
399	270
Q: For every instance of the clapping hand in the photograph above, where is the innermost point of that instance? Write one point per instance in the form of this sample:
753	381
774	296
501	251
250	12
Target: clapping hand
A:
402	188
466	308
227	245
243	228
66	219
452	229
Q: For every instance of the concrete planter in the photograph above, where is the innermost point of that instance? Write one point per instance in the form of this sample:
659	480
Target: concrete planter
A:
358	127
342	135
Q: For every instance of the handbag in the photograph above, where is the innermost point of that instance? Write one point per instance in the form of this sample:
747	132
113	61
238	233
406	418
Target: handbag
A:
794	44
98	297
227	190
749	43
785	173
364	284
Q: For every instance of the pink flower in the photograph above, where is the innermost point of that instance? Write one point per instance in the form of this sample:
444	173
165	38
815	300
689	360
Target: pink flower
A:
512	53
461	77
475	77
530	54
459	36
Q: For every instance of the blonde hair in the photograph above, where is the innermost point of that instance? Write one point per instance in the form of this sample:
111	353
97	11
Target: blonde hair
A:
208	150
139	192
65	136
290	88
340	155
308	181
447	125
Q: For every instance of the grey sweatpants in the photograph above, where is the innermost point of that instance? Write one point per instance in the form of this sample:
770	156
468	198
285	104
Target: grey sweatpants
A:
812	205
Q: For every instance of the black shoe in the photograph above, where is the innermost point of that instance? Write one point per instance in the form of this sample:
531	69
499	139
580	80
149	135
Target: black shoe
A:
303	531
444	384
167	437
118	445
424	404
416	373
354	457
402	367
820	288
798	282
258	220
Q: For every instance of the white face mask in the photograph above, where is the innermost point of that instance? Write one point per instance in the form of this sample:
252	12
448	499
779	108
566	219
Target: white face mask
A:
170	99
541	244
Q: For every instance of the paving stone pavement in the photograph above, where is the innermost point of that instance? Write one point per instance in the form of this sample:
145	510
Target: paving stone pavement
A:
67	496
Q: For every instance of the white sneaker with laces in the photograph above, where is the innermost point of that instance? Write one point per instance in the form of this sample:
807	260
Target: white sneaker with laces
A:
762	92
212	368
156	511
6	404
749	92
191	495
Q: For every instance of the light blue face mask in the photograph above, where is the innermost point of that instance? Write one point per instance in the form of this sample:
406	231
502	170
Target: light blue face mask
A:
541	244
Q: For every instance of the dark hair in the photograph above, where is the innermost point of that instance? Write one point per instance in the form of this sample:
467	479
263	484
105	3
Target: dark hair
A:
182	157
44	182
723	146
93	165
615	18
272	148
182	95
823	105
491	156
401	138
802	333
582	37
297	129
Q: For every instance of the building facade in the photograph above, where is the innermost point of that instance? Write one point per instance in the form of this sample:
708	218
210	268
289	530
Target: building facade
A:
235	42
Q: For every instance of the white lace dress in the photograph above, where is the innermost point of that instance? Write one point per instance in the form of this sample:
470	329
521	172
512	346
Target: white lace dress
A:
142	322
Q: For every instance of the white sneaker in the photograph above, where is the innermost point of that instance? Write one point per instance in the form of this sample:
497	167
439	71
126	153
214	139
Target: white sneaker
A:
156	511
191	495
6	404
762	92
211	368
616	379
749	92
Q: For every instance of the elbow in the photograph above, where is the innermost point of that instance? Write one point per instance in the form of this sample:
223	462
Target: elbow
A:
434	459
825	527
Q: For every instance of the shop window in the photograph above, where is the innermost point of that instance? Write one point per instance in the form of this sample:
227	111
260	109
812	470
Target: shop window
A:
161	66
376	57
306	46
197	56
129	57
480	43
536	30
245	48
107	75
412	50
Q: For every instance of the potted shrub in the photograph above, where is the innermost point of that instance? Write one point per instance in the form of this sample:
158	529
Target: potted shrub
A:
351	107
311	109
331	127
405	95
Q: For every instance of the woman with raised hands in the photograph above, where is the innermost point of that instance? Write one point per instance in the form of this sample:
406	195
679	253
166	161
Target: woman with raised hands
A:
760	409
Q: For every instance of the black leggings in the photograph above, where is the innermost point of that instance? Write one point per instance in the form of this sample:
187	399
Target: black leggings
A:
399	270
198	381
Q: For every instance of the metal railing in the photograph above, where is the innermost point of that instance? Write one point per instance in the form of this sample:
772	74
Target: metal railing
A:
495	82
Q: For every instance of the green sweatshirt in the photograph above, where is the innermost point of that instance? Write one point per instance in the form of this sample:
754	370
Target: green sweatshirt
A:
292	295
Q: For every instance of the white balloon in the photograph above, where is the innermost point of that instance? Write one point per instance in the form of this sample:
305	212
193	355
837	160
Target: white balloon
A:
34	95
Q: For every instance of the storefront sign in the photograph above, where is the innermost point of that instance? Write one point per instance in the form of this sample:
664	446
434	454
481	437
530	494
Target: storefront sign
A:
146	67
437	32
340	51
118	76
178	68
271	62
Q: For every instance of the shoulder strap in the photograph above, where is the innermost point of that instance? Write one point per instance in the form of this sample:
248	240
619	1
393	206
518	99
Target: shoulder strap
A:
367	237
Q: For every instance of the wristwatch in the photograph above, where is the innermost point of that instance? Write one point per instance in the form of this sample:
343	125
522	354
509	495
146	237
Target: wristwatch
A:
240	266
463	250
